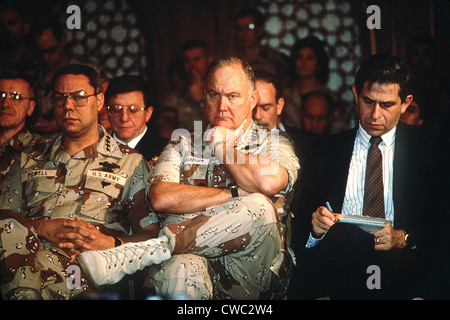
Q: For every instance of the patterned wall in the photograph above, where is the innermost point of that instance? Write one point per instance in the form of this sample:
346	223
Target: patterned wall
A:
110	36
330	21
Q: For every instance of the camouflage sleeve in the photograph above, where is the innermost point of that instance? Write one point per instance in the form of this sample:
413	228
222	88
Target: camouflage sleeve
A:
137	204
168	166
11	196
283	152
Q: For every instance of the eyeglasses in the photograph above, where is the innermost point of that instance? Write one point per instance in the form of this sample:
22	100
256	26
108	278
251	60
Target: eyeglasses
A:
14	97
117	109
79	98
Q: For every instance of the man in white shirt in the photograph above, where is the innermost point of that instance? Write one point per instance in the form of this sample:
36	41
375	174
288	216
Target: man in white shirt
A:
128	101
336	259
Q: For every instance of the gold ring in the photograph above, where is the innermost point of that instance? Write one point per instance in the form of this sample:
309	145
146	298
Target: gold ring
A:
376	240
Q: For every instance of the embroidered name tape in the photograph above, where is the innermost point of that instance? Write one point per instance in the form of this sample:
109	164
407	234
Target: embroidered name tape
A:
194	160
107	176
38	173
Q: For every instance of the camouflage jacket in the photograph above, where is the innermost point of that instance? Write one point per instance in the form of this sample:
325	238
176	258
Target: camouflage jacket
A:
190	160
103	184
9	152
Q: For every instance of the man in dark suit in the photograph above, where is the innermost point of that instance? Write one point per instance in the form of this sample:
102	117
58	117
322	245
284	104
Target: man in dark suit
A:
406	258
128	101
269	108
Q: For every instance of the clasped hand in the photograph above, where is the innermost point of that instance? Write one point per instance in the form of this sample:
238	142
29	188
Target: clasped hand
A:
74	235
386	238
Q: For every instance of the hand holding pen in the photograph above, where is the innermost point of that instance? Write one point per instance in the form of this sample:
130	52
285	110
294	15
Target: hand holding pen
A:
322	220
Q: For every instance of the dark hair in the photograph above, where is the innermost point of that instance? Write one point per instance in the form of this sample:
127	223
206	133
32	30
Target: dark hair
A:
383	68
191	44
270	78
16	5
327	96
95	80
314	43
10	75
48	23
418	40
129	83
223	62
246	11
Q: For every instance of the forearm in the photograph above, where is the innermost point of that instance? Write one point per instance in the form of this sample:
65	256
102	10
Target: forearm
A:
175	198
253	173
147	233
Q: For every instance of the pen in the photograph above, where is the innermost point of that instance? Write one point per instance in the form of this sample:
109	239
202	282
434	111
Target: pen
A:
328	207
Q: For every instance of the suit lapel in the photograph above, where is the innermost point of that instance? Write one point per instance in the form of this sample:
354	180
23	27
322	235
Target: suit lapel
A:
400	183
339	166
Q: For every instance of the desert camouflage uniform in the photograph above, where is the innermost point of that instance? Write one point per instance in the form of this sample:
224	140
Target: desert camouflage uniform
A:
232	251
9	152
103	184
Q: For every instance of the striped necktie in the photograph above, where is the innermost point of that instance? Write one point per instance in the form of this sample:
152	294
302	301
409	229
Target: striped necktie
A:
373	189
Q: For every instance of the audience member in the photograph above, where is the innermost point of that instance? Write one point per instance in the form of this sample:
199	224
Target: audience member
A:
103	120
167	122
248	34
411	251
310	61
269	108
422	57
220	222
316	112
80	191
418	109
16	104
189	101
17	50
176	75
51	43
412	115
129	105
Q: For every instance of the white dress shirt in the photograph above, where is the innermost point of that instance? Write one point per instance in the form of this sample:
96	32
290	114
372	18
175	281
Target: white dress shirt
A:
354	191
133	142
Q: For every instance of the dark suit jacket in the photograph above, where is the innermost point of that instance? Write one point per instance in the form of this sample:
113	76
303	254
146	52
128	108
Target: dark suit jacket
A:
303	142
420	184
151	144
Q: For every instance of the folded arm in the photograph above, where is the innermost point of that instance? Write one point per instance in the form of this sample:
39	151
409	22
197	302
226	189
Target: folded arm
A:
253	173
176	198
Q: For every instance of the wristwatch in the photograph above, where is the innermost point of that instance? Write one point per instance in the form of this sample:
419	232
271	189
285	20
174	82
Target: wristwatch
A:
409	241
406	238
234	190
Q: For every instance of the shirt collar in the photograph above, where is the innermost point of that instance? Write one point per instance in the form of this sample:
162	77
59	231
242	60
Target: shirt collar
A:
106	145
133	142
281	127
388	138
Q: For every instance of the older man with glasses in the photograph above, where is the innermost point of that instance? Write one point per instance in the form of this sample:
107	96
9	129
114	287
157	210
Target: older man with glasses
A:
16	104
80	191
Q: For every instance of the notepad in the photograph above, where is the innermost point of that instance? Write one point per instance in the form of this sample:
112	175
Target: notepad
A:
368	224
